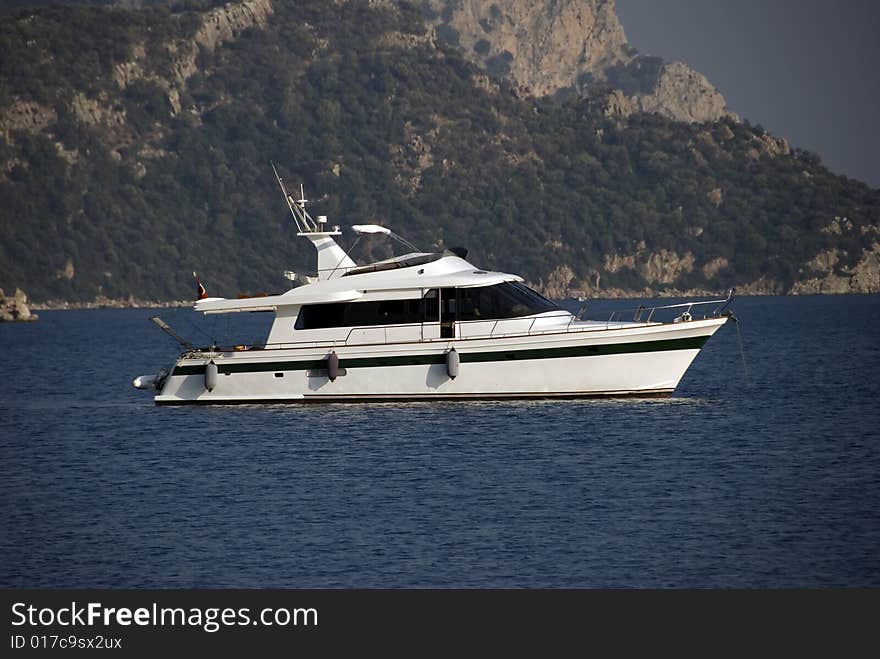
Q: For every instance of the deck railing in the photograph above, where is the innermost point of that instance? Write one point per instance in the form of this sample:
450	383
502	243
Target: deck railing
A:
637	313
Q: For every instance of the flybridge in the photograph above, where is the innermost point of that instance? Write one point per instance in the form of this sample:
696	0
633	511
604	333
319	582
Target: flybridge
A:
407	276
445	271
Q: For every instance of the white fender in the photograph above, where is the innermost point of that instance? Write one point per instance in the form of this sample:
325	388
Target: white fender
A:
146	382
211	375
333	365
453	363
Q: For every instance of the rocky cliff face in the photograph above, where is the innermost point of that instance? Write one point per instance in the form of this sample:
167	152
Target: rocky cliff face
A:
661	267
684	95
864	277
542	45
660	270
545	46
217	26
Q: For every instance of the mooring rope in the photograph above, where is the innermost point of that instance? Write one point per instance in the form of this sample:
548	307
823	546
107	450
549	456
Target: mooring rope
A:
742	352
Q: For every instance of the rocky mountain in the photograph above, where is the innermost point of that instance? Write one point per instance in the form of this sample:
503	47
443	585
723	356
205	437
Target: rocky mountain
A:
553	46
135	148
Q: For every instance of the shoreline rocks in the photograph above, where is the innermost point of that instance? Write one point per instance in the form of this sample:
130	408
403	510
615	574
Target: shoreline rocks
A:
15	309
101	302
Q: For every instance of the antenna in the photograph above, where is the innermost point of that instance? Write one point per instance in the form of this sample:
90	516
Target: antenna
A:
304	222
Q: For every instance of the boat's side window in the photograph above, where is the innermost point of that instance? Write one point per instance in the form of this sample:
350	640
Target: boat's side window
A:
321	315
431	306
507	300
359	314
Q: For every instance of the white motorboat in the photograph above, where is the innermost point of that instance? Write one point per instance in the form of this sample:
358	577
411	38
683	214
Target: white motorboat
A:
430	326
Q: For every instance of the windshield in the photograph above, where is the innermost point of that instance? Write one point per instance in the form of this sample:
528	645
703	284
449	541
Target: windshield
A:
507	300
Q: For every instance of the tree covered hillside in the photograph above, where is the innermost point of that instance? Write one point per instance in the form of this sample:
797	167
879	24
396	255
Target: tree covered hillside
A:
135	147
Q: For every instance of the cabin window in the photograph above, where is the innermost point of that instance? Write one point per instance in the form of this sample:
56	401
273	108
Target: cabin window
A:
432	305
507	300
359	314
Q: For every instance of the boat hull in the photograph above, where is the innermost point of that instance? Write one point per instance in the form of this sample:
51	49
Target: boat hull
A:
645	360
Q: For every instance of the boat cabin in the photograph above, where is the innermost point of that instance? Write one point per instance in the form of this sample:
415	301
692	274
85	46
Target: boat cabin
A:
444	306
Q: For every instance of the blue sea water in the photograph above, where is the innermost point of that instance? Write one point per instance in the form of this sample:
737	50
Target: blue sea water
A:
763	473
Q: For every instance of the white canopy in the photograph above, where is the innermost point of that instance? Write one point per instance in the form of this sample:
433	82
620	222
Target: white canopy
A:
369	228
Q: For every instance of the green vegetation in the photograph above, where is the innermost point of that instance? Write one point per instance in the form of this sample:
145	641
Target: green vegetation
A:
527	184
448	34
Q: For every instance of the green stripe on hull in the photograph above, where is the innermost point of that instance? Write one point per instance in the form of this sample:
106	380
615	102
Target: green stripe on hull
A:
691	343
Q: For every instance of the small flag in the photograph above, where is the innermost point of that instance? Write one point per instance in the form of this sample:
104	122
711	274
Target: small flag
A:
202	292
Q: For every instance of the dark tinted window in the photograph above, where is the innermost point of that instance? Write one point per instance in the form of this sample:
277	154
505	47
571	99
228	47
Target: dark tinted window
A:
507	300
358	314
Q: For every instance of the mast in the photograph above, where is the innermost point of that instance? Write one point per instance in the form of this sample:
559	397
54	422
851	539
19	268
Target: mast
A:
333	262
